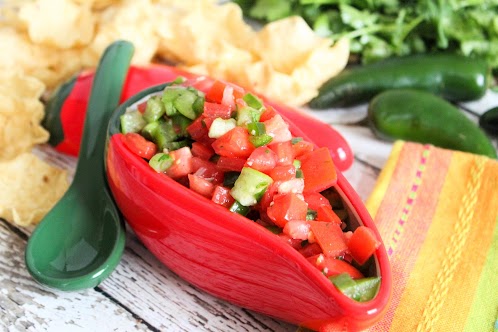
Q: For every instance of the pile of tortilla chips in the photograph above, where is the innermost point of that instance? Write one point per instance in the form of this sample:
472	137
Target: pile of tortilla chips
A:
29	186
45	42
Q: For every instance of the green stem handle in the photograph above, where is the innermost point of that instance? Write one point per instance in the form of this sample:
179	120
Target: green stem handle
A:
104	98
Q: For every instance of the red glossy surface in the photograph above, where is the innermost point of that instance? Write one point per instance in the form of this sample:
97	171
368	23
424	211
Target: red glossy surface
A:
232	257
138	78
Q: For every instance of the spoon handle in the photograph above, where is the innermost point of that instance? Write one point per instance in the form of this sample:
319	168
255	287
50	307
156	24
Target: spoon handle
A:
104	98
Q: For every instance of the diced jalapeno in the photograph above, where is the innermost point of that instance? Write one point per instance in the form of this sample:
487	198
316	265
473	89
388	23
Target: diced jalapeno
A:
161	133
295	140
180	124
239	208
220	126
160	162
361	290
260	140
154	110
250	186
132	122
253	101
247	115
311	214
187	101
256	128
170	146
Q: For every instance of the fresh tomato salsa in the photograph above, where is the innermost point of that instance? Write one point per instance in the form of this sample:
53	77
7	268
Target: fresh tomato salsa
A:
228	146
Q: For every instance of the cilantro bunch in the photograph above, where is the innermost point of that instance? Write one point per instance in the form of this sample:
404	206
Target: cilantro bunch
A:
383	28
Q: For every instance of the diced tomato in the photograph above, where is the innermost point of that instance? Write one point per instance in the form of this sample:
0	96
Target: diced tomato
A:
331	266
268	113
221	196
227	164
316	200
182	163
213	110
207	170
142	107
297	229
201	83
284	152
224	93
277	128
311	249
302	147
363	244
330	238
325	213
262	159
294	243
238	92
283	173
139	145
202	151
215	93
198	130
287	207
234	143
267	198
318	170
200	185
295	186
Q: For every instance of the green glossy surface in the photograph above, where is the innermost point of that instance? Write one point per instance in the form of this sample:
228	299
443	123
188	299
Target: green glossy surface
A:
419	116
81	240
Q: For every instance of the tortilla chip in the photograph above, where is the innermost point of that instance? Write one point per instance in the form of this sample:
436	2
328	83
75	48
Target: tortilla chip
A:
129	20
302	84
98	4
200	32
49	64
30	188
72	26
20	114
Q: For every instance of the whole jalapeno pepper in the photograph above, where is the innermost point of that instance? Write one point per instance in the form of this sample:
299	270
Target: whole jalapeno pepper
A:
423	117
489	121
65	111
451	76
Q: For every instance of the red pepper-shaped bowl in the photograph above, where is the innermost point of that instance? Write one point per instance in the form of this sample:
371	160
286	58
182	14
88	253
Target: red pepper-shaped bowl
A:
230	256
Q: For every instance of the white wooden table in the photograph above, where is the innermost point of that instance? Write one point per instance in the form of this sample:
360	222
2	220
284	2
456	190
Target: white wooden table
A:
143	295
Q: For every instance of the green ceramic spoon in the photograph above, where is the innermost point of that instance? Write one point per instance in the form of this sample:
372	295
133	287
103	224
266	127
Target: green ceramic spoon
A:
81	240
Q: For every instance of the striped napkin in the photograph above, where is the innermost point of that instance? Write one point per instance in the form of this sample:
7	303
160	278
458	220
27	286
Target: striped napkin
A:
437	212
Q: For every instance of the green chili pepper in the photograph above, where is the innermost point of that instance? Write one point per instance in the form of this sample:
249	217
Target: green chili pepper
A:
489	121
361	290
420	116
452	76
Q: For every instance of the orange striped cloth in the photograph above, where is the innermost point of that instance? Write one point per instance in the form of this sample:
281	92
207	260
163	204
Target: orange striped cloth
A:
437	212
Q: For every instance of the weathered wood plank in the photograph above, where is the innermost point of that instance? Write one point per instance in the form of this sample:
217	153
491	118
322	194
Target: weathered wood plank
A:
169	303
27	306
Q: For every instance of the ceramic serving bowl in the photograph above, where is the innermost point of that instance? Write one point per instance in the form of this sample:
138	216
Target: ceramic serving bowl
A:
230	256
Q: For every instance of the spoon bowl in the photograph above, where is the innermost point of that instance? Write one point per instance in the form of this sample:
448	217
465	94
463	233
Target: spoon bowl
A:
81	240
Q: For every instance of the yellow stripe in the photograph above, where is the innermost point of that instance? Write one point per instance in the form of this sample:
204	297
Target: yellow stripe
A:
454	250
